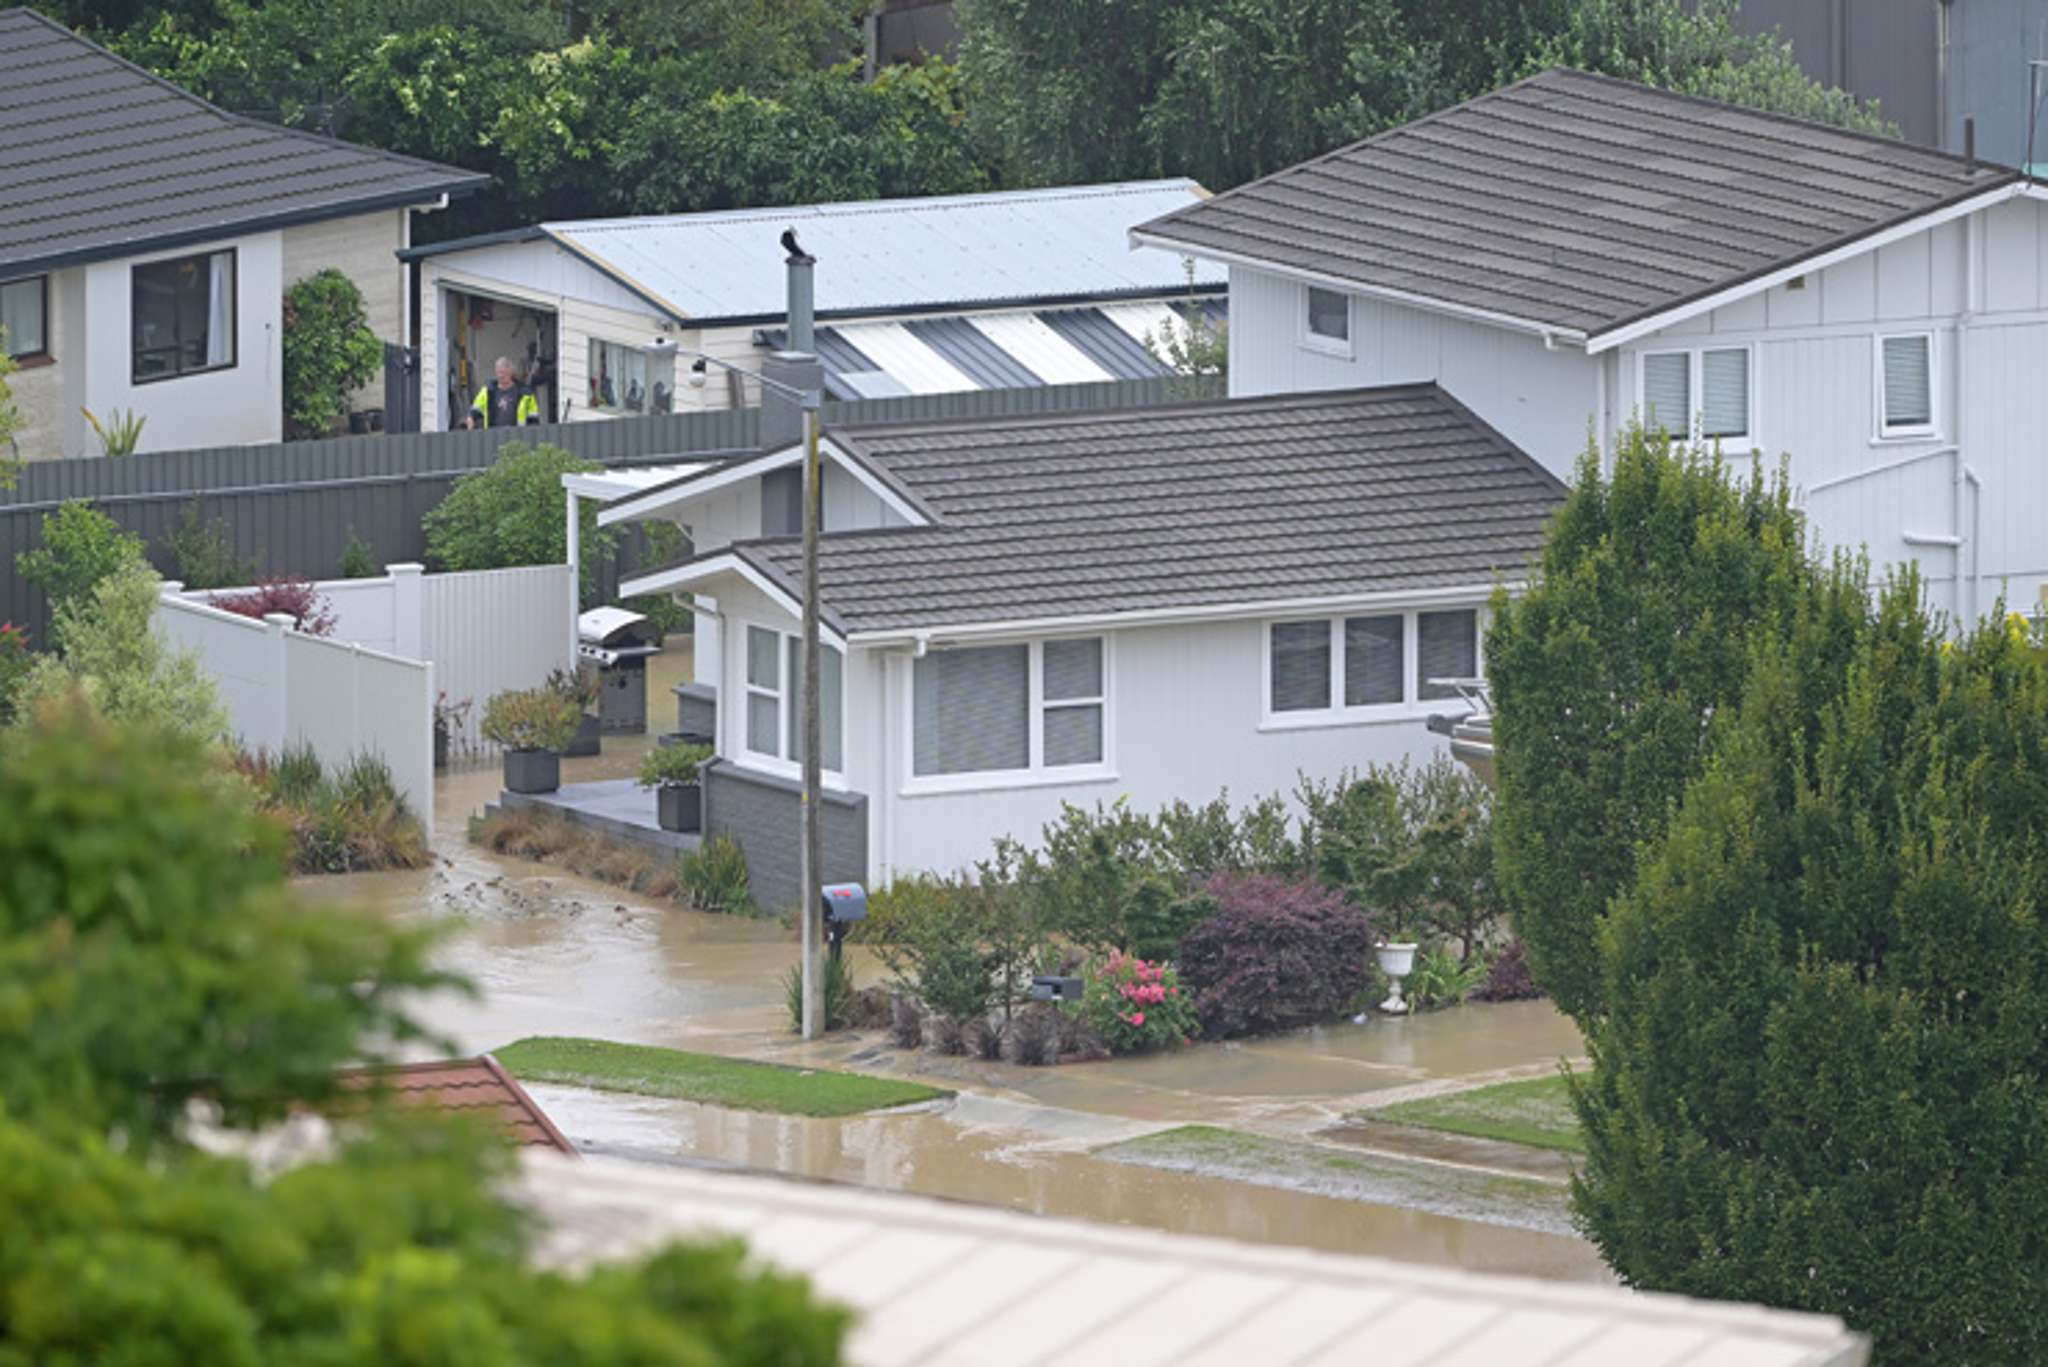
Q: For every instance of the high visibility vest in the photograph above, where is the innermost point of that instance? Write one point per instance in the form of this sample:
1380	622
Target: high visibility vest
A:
485	403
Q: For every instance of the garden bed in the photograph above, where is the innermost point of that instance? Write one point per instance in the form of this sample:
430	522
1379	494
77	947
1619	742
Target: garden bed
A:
711	878
740	1084
350	821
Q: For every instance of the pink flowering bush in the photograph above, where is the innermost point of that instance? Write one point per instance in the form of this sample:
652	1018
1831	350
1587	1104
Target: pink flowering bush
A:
1136	1004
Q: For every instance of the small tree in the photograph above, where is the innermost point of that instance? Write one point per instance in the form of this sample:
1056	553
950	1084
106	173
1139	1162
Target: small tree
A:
81	546
11	421
1819	1076
1654	586
329	350
511	514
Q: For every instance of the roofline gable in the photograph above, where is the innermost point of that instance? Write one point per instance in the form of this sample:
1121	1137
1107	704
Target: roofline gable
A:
696	484
733	560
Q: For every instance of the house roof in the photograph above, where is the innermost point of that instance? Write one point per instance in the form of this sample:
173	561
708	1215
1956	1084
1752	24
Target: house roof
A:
477	1086
1576	203
101	159
1238	502
947	252
939	1282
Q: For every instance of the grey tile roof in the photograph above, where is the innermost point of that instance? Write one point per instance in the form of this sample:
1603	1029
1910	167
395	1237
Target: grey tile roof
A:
99	159
1392	489
1577	202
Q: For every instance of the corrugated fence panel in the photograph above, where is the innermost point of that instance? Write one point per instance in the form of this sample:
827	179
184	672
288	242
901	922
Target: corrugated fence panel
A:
493	630
292	508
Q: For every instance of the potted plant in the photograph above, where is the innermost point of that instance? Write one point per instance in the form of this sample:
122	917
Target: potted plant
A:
449	718
533	725
1396	954
671	770
579	684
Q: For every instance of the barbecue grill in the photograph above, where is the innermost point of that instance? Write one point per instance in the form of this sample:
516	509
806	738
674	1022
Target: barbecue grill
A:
618	642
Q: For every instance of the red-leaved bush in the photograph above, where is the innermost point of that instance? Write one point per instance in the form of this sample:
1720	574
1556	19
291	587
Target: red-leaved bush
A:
1274	954
296	598
1507	977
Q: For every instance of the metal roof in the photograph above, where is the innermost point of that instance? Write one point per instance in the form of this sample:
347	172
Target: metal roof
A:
101	159
1576	202
1390	490
935	1282
895	255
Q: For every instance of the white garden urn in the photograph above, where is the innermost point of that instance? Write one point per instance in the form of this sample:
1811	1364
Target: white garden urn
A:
1395	961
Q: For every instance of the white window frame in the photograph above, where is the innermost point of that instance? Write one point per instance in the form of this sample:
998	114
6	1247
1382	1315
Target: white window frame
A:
1316	341
1037	773
784	693
1413	706
1696	388
1906	432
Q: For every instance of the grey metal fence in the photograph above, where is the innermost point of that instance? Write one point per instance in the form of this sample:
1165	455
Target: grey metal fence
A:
292	508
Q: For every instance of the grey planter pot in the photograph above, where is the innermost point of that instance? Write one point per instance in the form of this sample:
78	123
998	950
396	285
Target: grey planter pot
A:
532	771
589	735
680	806
440	748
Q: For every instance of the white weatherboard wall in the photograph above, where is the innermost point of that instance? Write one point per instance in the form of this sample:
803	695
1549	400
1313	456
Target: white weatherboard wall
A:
284	688
484	631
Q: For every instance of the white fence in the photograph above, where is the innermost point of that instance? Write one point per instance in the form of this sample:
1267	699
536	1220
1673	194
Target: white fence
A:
284	688
483	631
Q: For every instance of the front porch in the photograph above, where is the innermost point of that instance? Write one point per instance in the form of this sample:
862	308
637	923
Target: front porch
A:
617	808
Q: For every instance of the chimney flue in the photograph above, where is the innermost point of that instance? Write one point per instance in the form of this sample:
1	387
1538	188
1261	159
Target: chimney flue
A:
801	308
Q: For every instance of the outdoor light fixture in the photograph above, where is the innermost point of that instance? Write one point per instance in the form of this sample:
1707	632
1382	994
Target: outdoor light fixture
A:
699	372
1052	988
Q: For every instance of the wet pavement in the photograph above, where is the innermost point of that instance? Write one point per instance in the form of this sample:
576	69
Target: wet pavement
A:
555	954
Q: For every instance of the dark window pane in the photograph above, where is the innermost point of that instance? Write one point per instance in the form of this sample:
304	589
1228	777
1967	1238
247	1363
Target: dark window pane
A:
1373	660
1301	666
21	316
1447	647
1329	314
971	710
183	315
761	645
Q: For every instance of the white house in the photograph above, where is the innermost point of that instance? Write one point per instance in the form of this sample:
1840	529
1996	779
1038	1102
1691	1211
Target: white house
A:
1149	603
1572	250
918	296
147	239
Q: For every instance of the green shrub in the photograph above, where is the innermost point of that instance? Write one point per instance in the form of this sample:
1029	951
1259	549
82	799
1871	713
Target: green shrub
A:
81	546
1137	1006
352	822
16	661
109	648
672	764
1654	587
578	683
714	877
204	553
835	993
511	514
1441	978
1275	953
120	434
297	776
329	351
530	719
359	559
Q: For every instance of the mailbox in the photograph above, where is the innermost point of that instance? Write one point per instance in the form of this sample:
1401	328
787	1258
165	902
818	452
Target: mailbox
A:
845	903
1049	988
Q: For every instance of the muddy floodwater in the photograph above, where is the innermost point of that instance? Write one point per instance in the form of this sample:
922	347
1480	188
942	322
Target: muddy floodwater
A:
553	954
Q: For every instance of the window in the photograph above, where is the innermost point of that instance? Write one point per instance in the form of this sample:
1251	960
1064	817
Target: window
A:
1329	319
1013	709
184	316
774	721
24	315
1366	662
1906	385
618	377
1703	394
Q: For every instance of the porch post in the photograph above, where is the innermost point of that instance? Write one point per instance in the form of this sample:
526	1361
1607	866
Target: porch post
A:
575	569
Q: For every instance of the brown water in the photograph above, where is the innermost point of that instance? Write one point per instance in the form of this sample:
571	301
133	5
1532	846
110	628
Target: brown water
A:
558	955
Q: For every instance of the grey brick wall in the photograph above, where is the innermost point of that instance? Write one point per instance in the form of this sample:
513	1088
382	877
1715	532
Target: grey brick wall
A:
696	709
764	815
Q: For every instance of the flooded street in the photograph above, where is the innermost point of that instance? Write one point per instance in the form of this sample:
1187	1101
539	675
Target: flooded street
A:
554	954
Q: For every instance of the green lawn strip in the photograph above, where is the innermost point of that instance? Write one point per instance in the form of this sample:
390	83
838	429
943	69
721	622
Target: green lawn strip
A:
1536	1111
1328	1170
741	1084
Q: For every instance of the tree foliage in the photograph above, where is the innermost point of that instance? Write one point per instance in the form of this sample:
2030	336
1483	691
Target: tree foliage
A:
1655	584
329	350
512	514
80	546
1820	1077
1228	90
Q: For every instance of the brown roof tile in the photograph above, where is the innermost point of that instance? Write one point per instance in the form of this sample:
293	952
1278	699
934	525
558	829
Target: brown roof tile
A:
477	1086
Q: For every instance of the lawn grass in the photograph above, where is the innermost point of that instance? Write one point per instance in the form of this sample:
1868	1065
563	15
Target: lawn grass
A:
737	1083
1536	1111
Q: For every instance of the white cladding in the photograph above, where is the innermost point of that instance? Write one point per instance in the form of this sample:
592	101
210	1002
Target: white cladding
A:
1814	347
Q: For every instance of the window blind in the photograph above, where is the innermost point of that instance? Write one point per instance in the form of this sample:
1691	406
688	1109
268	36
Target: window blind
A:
971	710
1373	660
1073	669
764	710
1908	385
1073	735
1724	385
1301	666
1667	392
1446	647
831	685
